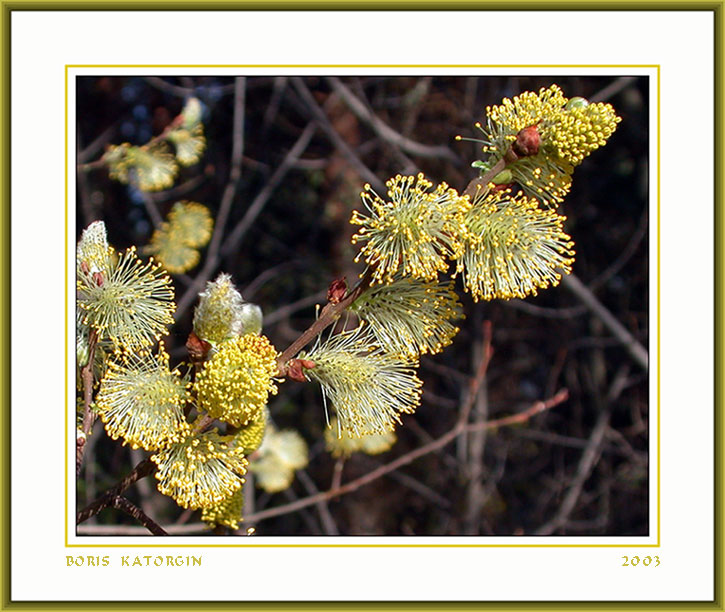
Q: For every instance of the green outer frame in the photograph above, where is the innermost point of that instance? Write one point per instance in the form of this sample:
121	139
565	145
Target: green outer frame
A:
6	8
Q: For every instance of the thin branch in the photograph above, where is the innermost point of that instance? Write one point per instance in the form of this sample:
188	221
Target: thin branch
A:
170	88
384	131
546	312
445	439
230	190
95	145
328	523
477	380
634	348
106	500
329	314
151	209
420	488
186	92
337	473
89	416
133	530
285	311
177	191
625	255
234	239
584	469
121	503
475	493
613	88
365	173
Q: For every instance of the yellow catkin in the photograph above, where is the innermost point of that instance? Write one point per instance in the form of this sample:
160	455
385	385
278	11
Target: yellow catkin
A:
412	233
235	383
202	471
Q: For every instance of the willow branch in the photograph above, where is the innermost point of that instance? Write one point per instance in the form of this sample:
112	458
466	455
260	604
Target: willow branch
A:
435	445
230	190
121	503
106	500
385	131
346	150
89	416
329	314
621	333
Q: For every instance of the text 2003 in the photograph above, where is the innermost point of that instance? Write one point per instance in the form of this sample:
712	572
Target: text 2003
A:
635	561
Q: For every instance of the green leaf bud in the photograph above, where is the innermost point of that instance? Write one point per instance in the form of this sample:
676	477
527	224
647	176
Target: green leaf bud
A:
576	102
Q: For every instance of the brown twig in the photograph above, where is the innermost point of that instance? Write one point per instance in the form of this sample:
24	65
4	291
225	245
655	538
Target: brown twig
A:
476	442
345	150
326	520
481	182
89	416
479	377
337	473
121	503
230	190
106	500
630	343
438	443
384	131
353	485
584	468
329	314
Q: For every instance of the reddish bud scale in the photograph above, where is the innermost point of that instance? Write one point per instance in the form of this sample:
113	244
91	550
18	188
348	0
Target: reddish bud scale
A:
198	348
527	141
337	290
296	369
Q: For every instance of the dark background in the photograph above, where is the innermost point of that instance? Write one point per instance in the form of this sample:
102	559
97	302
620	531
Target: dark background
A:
579	469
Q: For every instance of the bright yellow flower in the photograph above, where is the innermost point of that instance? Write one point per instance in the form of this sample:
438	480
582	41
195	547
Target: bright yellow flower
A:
414	233
227	513
143	402
367	387
571	129
251	435
411	316
236	382
565	131
512	248
132	304
202	471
